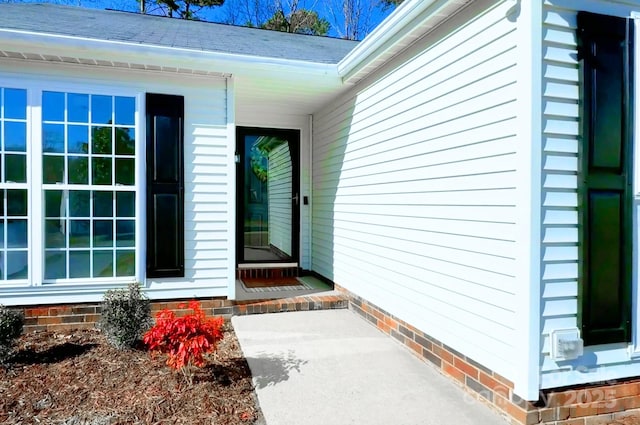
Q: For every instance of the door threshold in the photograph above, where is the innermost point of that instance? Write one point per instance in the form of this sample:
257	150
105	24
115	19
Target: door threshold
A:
246	266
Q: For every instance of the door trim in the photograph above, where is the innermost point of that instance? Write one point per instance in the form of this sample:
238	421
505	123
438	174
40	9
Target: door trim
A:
293	135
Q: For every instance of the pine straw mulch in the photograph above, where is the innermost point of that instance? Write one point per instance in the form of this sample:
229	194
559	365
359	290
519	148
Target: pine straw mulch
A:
75	378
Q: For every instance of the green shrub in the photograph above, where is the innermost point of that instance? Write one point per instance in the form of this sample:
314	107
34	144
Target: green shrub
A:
125	317
11	323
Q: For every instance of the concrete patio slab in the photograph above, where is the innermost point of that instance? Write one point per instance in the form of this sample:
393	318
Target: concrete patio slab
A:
331	367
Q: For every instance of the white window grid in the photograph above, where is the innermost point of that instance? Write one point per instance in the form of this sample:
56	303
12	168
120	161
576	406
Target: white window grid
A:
10	254
91	249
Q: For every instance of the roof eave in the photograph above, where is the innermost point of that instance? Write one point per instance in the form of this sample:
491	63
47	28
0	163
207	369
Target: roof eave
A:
410	21
136	53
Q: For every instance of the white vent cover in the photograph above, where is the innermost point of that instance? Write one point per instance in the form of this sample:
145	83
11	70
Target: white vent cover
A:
566	344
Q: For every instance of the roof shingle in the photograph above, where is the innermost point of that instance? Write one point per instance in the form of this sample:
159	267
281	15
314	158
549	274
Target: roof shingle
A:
167	32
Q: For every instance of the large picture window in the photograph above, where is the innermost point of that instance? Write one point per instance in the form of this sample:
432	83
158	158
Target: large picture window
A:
14	265
89	184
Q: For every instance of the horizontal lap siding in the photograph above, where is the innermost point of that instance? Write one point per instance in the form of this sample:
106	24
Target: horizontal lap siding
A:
279	187
414	191
560	232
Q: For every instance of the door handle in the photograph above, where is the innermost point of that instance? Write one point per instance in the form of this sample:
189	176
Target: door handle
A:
295	198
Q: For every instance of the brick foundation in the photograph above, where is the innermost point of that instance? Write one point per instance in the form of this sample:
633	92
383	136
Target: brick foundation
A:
601	404
267	273
83	316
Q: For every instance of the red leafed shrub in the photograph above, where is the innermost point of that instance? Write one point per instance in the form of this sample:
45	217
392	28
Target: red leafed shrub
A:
185	339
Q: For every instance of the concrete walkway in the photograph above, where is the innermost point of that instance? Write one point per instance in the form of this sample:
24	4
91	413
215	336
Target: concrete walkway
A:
330	367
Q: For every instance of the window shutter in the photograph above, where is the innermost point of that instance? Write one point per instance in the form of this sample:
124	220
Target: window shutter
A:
165	185
605	51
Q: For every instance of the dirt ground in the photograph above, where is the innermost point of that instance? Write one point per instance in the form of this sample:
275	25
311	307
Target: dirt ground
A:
76	378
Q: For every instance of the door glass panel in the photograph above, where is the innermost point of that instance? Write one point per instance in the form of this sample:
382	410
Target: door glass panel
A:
268	197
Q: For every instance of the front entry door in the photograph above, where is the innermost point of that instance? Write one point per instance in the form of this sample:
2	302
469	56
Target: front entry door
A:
267	195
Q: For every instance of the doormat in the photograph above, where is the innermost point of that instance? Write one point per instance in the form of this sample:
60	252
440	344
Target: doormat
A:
251	284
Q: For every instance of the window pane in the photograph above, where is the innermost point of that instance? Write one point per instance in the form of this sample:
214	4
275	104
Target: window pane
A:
15	168
16	233
54	233
103	233
125	110
52	106
79	203
103	204
101	110
125	263
125	141
102	263
53	203
17	202
17	265
79	264
78	107
125	233
15	136
78	170
78	139
52	169
80	142
125	204
55	265
1	234
53	138
101	171
125	171
79	236
101	140
15	104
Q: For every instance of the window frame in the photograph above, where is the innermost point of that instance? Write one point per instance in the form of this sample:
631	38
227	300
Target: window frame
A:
12	84
36	188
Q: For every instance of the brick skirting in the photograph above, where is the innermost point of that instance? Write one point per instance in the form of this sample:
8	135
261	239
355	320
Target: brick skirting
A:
268	273
601	404
83	316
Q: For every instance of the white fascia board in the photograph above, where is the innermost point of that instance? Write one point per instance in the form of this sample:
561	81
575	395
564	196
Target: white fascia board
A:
137	53
392	30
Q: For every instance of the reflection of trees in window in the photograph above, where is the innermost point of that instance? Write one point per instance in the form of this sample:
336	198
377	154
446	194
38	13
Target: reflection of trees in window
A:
101	161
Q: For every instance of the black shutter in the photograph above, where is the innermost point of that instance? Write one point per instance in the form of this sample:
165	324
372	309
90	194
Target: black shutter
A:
165	186
605	53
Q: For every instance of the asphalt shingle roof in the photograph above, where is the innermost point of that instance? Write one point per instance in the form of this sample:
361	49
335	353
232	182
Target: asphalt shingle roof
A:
170	32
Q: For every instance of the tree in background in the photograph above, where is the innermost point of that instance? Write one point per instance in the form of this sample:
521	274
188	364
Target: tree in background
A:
354	19
391	3
351	18
185	9
294	16
299	21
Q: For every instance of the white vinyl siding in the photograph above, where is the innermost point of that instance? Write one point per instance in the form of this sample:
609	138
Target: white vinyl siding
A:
279	189
207	194
560	232
208	177
414	189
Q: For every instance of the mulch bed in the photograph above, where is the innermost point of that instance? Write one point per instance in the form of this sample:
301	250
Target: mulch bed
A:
75	378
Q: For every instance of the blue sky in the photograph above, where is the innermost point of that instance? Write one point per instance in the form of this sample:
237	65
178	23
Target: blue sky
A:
222	13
